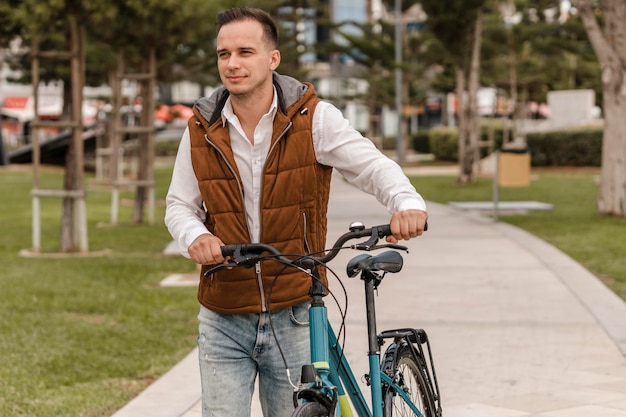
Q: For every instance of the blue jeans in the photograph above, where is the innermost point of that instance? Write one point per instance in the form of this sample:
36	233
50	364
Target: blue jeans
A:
234	349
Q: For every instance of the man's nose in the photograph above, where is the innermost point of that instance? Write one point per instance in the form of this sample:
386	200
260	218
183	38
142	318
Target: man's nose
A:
234	61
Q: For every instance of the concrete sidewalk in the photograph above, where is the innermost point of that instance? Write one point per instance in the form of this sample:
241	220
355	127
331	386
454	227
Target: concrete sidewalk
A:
518	329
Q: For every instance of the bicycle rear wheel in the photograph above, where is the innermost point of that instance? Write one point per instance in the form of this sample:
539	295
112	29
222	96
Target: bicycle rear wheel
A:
310	409
409	375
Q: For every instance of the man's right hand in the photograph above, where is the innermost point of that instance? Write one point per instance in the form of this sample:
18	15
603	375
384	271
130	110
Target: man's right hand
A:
206	250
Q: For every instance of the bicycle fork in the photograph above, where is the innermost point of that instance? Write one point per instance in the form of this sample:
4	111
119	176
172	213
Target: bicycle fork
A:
331	385
315	381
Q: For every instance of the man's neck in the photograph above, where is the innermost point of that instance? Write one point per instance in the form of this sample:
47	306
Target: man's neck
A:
251	108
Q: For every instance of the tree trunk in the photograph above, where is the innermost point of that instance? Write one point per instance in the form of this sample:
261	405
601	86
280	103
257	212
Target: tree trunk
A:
445	121
146	140
465	163
142	166
71	228
66	240
373	127
469	123
610	48
612	196
115	123
473	85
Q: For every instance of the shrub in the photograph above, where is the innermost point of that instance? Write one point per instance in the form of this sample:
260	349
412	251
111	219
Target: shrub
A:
420	141
572	147
443	143
576	147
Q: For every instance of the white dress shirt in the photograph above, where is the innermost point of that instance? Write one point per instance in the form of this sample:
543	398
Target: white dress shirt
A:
336	144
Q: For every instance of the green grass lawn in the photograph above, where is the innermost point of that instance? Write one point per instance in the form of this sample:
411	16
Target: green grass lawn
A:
597	242
80	336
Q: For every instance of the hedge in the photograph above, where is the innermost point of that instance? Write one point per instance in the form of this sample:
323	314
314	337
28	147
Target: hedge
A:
573	147
580	147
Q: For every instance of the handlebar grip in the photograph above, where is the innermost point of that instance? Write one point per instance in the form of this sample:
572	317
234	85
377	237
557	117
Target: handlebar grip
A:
384	230
228	250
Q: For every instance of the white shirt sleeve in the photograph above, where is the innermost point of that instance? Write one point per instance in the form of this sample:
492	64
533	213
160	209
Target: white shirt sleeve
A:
184	212
339	145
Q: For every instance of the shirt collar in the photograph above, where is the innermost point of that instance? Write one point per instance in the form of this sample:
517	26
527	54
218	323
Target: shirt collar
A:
228	113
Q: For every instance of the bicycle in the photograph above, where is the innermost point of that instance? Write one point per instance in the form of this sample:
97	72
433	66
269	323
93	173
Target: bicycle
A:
403	383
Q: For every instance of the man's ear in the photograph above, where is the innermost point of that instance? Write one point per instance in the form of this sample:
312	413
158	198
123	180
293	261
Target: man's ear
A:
274	59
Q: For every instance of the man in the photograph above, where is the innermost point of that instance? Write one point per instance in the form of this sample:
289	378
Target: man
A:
254	165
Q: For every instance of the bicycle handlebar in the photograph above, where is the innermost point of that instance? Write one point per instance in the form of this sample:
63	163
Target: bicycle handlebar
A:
247	254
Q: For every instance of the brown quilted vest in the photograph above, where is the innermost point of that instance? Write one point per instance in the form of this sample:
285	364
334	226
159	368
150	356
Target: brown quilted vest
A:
294	202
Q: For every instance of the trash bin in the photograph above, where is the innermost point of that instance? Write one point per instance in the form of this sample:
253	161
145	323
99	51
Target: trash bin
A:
514	167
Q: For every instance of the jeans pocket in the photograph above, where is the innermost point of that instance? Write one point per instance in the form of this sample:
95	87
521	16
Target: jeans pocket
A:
299	314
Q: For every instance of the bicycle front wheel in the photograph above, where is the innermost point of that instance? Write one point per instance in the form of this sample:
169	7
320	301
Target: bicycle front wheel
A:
409	375
310	409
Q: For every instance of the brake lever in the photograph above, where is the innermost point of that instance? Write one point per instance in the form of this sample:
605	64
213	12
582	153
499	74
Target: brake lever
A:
245	261
390	246
369	244
216	268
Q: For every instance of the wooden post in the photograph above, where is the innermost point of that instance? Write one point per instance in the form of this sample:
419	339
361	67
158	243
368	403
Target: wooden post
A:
145	131
73	193
36	220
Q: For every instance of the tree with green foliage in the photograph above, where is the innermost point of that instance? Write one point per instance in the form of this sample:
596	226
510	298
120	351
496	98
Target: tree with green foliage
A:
53	30
457	26
370	46
181	33
529	49
372	52
107	26
136	49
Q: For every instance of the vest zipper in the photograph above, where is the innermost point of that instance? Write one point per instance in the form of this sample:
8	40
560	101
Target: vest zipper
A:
259	277
283	133
258	265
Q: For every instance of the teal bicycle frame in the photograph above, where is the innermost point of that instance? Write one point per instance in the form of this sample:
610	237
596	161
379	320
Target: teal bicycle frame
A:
329	380
335	374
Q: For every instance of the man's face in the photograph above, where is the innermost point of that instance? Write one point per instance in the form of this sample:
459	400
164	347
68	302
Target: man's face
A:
245	59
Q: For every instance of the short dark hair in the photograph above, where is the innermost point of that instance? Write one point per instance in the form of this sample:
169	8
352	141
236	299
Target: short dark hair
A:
237	14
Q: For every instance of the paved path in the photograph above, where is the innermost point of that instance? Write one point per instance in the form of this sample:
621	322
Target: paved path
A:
518	329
